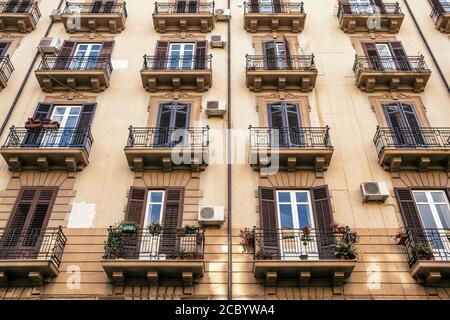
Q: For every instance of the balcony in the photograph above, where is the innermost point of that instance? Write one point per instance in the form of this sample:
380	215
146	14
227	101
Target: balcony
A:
290	148
419	148
281	73
441	16
428	253
157	256
177	73
183	17
165	148
401	73
291	257
285	17
91	17
30	256
19	17
46	149
74	73
6	69
359	17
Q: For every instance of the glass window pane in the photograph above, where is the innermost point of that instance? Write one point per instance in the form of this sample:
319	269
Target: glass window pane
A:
303	215
427	216
284	197
301	196
420	197
156	197
438	196
75	110
444	215
286	216
155	212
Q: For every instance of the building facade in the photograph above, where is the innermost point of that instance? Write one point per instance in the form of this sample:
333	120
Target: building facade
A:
225	150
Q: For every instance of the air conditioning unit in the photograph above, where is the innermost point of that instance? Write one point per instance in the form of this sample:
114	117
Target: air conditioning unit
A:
215	108
222	14
374	191
49	45
56	15
217	41
211	215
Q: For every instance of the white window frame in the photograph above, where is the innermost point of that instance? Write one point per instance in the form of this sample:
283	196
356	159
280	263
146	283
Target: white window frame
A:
181	64
387	57
361	6
79	61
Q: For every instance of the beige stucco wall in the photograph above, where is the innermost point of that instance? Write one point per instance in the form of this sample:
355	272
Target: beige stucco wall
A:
336	101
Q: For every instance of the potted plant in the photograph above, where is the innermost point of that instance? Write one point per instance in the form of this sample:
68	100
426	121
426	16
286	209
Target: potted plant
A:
345	250
154	228
48	123
178	253
400	237
247	239
305	238
129	227
33	123
114	244
191	229
350	236
181	232
338	228
422	251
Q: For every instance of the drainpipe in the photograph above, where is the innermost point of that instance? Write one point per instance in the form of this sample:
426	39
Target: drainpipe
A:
428	47
229	169
25	80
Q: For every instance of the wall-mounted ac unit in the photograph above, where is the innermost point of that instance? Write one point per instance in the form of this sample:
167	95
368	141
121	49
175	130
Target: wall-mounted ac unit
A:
217	41
50	45
215	108
55	15
222	14
374	191
211	215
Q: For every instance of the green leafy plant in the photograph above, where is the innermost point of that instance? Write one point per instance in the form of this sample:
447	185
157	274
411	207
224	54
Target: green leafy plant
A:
422	251
345	250
191	229
178	253
154	228
247	239
114	244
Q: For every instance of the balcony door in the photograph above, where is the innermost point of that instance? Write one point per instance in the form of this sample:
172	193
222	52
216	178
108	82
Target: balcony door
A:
434	213
361	6
151	241
67	117
294	214
102	6
86	56
404	125
285	124
277	55
181	56
183	6
173	123
389	56
16	6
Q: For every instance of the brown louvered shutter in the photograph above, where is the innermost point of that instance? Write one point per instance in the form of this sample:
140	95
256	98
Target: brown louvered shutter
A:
346	7
270	56
288	53
86	116
276	6
371	53
268	219
324	221
105	55
380	5
43	110
400	55
135	213
160	60
64	57
172	218
200	55
254	6
34	137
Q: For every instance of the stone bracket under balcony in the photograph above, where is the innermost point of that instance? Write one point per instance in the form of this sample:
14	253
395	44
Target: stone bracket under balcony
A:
73	80
195	159
443	22
371	81
432	272
260	80
33	272
353	23
113	22
303	273
183	22
176	80
154	271
262	22
19	22
416	159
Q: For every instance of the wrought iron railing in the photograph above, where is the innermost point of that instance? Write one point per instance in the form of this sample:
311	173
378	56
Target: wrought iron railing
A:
155	244
6	68
184	7
438	10
32	244
274	8
22	7
62	138
96	8
262	62
71	63
298	244
368	9
411	138
427	244
390	64
176	63
286	137
168	137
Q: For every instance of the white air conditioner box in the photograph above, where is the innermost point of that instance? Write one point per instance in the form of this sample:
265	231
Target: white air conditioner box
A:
215	108
49	45
211	215
374	191
217	41
222	14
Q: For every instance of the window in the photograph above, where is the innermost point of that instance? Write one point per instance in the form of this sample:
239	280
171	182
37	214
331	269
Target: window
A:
181	56
403	121
277	55
154	208
387	56
102	6
445	5
85	56
17	6
284	118
3	48
173	121
361	6
184	6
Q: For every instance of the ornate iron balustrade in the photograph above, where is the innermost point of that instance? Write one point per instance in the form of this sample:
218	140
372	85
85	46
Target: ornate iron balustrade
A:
50	138
368	9
292	138
73	63
286	8
298	244
427	244
94	8
32	244
31	8
390	64
156	244
417	138
6	68
184	7
295	63
168	137
438	10
192	62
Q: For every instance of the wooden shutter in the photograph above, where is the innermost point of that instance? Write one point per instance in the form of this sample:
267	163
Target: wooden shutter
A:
277	6
200	55
400	54
63	61
345	6
86	116
287	49
160	61
324	221
4	48
43	110
23	6
270	56
96	6
105	54
268	219
380	5
11	6
193	6
254	6
172	218
135	213
371	52
181	6
34	137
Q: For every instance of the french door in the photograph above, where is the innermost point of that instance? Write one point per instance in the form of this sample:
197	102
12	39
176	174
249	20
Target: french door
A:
434	212
276	56
149	248
173	122
181	56
361	6
386	57
86	56
285	122
67	117
185	6
102	6
294	214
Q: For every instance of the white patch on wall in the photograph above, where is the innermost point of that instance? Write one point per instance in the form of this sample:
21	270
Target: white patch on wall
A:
119	64
374	277
82	215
